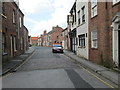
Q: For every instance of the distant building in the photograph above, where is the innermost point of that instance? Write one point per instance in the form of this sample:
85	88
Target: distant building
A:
34	41
44	37
65	39
26	41
56	35
40	41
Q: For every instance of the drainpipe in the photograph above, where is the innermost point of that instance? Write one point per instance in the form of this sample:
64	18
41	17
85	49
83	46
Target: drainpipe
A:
0	44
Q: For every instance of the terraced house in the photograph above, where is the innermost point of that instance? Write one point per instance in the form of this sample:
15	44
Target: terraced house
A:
82	28
94	31
14	33
104	24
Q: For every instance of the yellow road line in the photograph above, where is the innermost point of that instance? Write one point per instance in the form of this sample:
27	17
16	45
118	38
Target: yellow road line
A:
98	78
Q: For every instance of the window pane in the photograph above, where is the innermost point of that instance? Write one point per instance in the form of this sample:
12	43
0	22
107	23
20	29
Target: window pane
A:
93	8
94	39
82	40
93	2
13	16
95	11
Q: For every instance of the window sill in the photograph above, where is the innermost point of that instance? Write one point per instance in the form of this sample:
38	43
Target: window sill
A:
94	48
94	16
81	47
15	51
14	23
4	54
81	24
116	3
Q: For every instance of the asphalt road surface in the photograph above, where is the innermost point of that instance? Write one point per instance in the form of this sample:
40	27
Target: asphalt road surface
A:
44	69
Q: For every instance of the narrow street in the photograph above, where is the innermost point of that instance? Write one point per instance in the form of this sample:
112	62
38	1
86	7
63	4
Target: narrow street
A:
44	69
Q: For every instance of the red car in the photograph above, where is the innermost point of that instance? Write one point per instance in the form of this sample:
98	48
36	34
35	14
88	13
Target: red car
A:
57	48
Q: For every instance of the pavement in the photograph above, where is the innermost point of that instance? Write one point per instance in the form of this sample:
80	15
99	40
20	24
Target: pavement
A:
15	62
109	74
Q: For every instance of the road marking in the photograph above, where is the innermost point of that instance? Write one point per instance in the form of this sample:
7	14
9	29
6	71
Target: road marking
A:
94	75
77	81
98	78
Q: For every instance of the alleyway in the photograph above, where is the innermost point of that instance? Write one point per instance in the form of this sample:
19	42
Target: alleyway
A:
45	69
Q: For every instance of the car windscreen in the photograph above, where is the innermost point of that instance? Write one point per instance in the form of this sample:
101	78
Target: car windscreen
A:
57	46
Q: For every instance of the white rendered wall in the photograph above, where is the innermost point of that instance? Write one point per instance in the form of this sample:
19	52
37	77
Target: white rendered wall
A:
83	29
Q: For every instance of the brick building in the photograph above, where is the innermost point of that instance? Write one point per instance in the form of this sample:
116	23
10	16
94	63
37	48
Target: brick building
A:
56	35
34	41
12	31
40	41
45	38
103	38
26	41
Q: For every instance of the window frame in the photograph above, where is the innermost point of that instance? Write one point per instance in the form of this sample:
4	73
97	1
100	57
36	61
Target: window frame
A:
83	14
94	39
13	16
94	10
79	18
20	21
4	51
81	39
3	8
15	48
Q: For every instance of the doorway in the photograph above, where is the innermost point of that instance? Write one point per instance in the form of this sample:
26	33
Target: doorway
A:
11	41
119	44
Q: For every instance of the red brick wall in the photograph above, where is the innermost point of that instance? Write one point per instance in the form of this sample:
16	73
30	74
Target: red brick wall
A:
10	29
56	35
102	22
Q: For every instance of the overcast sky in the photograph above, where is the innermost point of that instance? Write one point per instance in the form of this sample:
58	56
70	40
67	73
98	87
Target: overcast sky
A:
41	15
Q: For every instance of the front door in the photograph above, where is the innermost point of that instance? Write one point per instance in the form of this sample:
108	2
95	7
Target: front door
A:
11	41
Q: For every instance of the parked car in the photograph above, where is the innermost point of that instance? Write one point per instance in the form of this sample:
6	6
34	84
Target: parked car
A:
57	48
